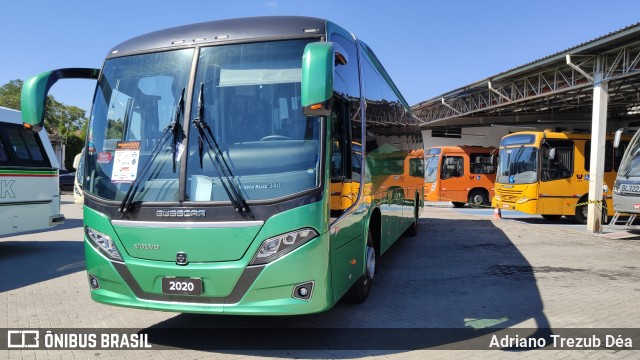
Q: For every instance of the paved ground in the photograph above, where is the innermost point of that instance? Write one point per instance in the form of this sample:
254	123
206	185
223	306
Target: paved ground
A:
464	270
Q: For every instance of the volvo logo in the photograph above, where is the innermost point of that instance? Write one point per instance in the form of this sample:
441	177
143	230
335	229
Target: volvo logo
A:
147	246
181	213
181	258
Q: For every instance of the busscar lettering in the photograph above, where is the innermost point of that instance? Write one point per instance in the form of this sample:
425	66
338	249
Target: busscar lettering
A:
181	213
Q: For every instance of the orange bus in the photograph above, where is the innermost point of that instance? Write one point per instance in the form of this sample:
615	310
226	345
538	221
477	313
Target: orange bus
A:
397	173
460	174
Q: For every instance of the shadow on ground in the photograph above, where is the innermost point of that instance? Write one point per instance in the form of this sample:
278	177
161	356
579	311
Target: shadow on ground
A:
456	282
24	263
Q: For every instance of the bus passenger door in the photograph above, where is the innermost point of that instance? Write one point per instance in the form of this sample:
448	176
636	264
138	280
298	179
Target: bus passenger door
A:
451	182
556	192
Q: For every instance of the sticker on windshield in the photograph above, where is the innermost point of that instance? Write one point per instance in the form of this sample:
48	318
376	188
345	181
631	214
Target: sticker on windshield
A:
125	163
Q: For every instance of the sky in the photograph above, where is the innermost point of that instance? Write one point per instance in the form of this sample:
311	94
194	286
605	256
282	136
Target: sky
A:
427	47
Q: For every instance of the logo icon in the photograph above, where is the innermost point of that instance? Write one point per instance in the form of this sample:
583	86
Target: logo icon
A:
23	339
181	258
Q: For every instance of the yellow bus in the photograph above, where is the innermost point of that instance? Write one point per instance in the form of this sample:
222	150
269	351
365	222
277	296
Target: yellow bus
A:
547	173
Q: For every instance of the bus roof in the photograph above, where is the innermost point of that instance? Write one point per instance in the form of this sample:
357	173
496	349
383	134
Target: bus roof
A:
10	116
221	31
557	135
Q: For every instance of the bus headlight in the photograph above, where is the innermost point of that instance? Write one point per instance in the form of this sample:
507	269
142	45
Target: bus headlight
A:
497	197
523	199
104	243
280	245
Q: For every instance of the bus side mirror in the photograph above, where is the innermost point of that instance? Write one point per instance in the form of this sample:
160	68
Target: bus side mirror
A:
318	61
35	90
618	136
552	153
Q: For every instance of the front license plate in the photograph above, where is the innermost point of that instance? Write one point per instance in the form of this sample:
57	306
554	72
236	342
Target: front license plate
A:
630	189
181	286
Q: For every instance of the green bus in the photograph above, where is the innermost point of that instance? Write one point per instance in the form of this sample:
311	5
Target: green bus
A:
228	167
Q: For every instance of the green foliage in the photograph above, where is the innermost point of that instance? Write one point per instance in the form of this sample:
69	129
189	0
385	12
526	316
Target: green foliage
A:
10	94
75	143
60	120
115	129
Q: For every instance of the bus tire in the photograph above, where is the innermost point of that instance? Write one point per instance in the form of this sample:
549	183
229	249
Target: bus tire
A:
359	292
581	212
580	215
478	198
457	204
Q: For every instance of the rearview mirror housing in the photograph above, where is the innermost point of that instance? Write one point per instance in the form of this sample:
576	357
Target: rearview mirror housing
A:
35	90
617	137
318	62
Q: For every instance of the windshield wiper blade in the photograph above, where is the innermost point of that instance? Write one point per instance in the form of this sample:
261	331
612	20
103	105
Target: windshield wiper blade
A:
173	128
177	132
222	167
128	197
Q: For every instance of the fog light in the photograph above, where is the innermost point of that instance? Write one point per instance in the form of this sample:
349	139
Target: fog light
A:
93	282
303	291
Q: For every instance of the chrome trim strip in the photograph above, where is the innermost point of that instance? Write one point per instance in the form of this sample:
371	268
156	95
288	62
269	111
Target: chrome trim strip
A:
187	224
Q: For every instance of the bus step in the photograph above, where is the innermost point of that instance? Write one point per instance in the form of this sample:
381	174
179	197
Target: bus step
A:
616	221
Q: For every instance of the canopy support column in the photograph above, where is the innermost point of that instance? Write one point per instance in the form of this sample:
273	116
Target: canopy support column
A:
596	165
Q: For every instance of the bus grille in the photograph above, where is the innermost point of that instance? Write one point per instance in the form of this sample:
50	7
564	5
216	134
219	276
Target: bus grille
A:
509	195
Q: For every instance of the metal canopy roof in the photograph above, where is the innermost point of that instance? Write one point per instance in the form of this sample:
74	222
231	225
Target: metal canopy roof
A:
558	87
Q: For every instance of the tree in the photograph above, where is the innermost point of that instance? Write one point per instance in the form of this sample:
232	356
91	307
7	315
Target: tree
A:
60	120
10	94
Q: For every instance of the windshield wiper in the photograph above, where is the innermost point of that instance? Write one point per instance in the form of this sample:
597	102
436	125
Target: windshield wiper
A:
176	132
222	168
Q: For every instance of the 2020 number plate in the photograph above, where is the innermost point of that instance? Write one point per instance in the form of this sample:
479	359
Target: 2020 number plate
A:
181	286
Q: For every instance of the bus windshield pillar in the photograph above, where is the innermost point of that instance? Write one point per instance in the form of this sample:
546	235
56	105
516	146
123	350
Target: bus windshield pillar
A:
597	197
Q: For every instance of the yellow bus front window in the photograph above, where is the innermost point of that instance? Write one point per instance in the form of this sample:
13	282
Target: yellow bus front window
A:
518	165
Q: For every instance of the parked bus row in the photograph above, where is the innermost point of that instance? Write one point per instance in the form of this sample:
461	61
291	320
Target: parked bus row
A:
535	172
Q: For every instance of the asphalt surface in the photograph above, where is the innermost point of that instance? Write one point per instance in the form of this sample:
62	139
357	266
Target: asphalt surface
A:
464	277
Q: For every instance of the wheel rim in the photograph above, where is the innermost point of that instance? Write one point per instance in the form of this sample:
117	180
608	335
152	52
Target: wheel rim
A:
371	261
477	199
585	211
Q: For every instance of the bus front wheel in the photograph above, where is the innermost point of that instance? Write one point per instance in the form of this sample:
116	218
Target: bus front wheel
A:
478	198
360	290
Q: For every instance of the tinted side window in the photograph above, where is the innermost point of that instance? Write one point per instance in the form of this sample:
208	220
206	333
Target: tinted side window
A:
557	160
21	147
608	156
481	164
4	155
452	166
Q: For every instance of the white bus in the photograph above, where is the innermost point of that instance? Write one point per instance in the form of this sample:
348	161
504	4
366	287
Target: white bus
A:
78	164
29	193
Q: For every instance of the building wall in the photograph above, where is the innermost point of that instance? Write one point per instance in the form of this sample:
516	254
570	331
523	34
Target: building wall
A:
491	135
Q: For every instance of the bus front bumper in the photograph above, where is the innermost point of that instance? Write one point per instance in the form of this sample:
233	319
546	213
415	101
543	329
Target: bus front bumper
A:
257	290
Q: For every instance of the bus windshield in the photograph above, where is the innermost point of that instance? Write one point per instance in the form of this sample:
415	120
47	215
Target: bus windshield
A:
432	168
631	165
247	98
518	165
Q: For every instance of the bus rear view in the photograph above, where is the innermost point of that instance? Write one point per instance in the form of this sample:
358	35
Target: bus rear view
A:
29	193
